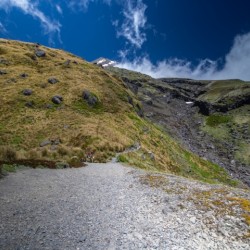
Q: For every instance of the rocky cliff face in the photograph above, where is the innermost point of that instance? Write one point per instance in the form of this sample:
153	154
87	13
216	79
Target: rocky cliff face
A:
210	118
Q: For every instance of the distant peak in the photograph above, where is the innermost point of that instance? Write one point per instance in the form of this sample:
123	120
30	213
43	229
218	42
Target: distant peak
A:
104	62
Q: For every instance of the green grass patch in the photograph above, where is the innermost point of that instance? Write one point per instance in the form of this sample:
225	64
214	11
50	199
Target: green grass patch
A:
208	171
9	168
122	158
16	140
82	107
215	120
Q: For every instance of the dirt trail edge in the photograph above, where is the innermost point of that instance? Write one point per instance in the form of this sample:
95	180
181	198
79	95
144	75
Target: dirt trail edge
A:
110	206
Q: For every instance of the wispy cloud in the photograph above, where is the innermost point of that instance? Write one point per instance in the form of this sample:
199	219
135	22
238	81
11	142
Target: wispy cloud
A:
134	23
237	65
29	7
79	4
131	26
59	9
2	29
84	4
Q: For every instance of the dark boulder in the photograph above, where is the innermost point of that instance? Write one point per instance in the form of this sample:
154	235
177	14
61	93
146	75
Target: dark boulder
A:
40	53
53	80
27	92
90	98
57	99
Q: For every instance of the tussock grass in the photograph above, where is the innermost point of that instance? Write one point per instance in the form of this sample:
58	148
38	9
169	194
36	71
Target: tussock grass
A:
102	130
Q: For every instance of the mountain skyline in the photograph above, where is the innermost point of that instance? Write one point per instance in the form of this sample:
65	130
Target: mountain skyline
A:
194	39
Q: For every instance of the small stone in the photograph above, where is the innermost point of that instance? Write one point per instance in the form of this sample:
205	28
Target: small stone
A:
57	99
193	220
48	106
83	239
45	143
151	156
3	72
27	92
24	75
53	80
67	63
61	165
40	53
30	104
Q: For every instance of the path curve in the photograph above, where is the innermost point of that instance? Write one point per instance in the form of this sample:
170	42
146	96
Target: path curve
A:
101	206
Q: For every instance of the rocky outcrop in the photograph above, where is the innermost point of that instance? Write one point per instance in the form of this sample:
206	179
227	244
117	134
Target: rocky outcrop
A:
90	98
57	99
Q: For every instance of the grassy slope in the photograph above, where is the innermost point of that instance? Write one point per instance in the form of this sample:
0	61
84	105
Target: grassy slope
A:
110	127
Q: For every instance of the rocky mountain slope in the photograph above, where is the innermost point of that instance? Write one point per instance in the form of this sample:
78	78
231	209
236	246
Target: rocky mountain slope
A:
59	110
210	118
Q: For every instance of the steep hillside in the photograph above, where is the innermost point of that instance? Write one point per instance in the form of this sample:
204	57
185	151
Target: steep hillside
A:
210	118
56	107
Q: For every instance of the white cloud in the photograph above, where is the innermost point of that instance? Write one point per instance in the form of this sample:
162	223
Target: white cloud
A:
237	65
134	23
30	7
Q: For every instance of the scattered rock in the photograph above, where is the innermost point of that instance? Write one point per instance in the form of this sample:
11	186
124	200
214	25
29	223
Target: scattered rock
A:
27	92
48	106
43	85
56	141
67	63
150	114
4	61
24	75
149	102
45	143
3	72
12	80
151	156
130	100
40	53
30	104
139	110
57	99
90	98
193	220
53	80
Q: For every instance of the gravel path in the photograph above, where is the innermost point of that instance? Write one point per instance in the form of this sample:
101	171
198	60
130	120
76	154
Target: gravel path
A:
109	206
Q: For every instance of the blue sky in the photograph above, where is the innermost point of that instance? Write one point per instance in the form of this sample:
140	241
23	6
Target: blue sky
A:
164	38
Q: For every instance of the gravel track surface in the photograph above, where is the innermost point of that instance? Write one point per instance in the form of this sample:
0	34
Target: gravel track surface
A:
109	206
